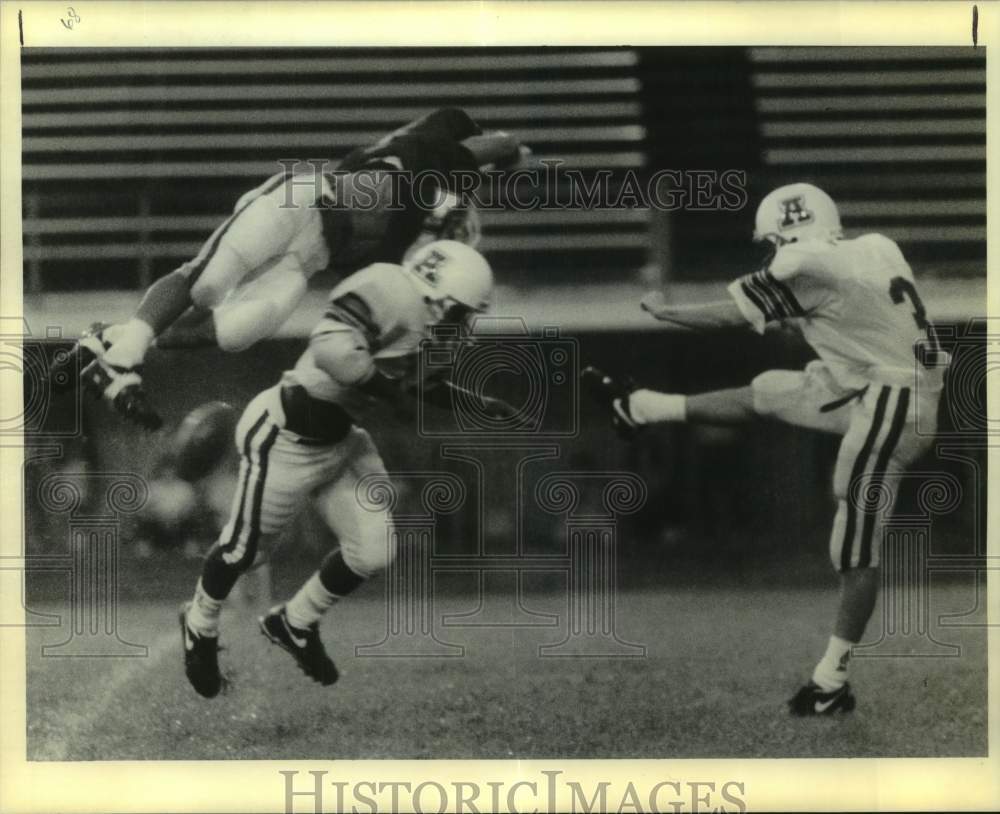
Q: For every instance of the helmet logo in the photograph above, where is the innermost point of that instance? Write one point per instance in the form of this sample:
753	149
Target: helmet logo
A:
427	269
794	213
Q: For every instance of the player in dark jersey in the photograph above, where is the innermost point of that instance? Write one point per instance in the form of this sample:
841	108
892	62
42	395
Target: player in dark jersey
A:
253	271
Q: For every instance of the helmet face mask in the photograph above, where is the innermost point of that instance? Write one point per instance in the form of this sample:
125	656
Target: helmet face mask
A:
765	247
459	316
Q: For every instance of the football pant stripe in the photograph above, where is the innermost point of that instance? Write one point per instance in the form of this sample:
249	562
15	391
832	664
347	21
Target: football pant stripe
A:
857	470
247	446
878	475
248	548
205	256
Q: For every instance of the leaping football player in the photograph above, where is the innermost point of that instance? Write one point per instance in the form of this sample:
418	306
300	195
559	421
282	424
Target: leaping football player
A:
254	269
879	368
299	442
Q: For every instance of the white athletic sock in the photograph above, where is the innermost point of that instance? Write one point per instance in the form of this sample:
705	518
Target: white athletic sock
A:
113	333
831	672
132	340
650	407
309	604
203	615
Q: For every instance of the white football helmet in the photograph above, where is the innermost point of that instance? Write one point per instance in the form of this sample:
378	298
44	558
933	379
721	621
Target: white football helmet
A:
797	212
455	279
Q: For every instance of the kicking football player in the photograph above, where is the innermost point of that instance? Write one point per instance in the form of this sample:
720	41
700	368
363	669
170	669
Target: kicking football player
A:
253	270
299	442
879	367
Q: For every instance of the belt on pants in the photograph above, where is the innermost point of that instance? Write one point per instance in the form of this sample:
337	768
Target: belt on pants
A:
316	422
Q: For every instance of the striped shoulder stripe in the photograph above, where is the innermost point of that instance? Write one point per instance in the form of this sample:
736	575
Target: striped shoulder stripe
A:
351	309
784	293
755	299
760	297
760	280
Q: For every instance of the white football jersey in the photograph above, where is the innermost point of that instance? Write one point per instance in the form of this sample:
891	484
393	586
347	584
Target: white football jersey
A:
379	318
857	306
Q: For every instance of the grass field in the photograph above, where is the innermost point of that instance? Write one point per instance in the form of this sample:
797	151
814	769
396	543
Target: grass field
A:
720	663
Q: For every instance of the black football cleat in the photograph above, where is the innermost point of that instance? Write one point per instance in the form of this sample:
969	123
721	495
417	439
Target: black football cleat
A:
304	645
811	700
201	659
123	388
614	395
67	365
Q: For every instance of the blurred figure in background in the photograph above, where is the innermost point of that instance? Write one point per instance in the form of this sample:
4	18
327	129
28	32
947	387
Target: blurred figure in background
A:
190	492
171	518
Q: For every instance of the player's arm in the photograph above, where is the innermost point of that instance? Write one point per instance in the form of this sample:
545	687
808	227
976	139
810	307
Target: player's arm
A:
342	347
796	284
441	394
345	357
700	317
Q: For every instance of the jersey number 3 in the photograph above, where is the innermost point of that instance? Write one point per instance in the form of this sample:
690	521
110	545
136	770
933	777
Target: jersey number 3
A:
902	289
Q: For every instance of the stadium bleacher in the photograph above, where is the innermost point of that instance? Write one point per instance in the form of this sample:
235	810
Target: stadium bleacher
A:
127	171
896	135
132	157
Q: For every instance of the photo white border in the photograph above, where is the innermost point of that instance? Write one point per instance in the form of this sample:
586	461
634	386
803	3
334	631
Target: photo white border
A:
255	786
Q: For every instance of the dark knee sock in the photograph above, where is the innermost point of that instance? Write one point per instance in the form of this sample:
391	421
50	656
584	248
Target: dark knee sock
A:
218	576
336	576
165	300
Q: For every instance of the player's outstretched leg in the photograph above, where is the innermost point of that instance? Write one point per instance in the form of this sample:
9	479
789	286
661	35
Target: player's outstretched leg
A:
200	617
295	626
613	395
116	373
122	387
633	407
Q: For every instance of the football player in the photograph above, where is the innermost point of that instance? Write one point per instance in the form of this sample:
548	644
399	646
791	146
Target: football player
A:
252	272
299	442
879	368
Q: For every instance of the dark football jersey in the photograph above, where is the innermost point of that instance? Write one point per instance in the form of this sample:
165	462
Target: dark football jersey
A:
421	156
